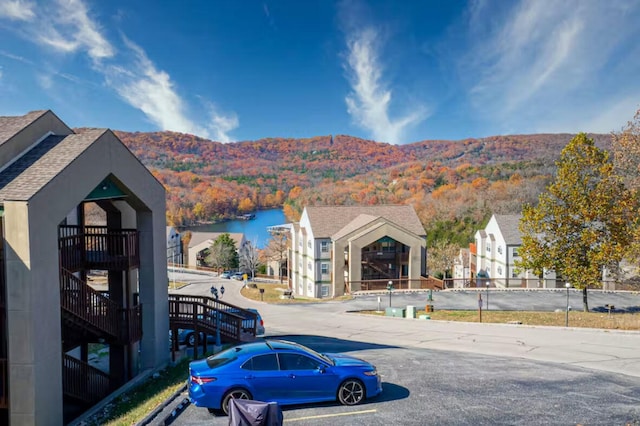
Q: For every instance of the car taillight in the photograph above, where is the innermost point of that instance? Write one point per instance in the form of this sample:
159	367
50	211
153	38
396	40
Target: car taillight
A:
261	322
202	380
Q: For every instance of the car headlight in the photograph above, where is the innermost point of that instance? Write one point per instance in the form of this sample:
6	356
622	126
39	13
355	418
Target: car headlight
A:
371	373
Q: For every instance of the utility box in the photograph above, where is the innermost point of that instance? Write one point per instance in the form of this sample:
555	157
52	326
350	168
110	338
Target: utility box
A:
411	311
394	312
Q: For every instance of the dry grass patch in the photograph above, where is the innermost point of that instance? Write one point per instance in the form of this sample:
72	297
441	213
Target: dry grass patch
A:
273	294
554	319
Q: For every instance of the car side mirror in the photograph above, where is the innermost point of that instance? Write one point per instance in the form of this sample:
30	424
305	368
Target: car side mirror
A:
322	369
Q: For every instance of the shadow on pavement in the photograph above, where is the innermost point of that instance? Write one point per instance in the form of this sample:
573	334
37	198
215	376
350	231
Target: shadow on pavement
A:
330	344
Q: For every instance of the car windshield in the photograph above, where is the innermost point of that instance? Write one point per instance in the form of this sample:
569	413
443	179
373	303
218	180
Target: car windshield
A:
222	358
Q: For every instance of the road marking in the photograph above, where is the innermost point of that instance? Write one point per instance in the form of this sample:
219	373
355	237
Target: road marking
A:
324	416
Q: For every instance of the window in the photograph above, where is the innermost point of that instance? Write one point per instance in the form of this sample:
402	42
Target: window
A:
514	273
324	247
515	252
499	270
309	266
500	249
324	267
489	247
296	362
309	244
267	362
325	291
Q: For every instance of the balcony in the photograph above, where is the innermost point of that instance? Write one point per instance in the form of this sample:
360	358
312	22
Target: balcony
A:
97	247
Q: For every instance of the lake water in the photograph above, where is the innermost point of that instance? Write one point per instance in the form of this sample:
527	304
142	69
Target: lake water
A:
254	230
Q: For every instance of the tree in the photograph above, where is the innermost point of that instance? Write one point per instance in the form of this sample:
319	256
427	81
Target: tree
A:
442	257
223	253
626	159
583	219
249	257
625	147
276	249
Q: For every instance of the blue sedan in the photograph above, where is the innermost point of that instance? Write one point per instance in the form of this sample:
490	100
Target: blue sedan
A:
282	372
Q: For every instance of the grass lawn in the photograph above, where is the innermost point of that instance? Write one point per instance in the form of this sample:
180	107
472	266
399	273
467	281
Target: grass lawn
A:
558	319
273	294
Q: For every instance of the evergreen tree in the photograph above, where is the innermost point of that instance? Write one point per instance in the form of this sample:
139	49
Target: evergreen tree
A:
223	253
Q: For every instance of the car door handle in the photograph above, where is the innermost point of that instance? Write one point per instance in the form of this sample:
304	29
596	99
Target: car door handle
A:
292	376
249	377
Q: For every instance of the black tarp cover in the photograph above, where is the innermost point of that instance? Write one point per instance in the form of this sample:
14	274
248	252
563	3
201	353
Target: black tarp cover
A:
246	412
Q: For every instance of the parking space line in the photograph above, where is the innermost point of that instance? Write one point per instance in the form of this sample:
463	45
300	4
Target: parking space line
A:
324	416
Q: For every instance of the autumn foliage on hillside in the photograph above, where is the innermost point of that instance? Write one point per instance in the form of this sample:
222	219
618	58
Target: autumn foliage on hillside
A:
454	185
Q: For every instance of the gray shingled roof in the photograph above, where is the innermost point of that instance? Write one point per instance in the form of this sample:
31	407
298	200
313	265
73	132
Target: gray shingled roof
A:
11	126
200	237
357	223
31	172
327	220
508	224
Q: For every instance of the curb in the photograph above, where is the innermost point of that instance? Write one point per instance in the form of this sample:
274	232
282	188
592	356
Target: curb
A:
147	420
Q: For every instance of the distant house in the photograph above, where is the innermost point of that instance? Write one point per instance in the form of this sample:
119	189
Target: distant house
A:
174	246
341	249
497	251
201	242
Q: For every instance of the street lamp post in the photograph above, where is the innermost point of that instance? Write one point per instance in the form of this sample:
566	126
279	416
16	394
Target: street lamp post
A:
390	289
566	322
487	296
173	265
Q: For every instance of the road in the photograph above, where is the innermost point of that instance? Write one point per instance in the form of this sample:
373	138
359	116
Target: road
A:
438	372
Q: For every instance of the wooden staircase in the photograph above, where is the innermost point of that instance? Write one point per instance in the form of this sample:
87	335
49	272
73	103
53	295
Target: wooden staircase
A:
84	383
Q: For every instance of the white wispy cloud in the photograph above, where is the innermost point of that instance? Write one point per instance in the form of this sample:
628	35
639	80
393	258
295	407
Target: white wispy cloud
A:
370	99
68	28
543	64
17	10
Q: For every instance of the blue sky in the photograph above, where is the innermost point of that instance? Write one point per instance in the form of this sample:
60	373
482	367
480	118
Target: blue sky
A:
388	70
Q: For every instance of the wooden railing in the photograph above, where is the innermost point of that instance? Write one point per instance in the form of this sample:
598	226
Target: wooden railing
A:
95	308
398	284
98	247
205	315
83	381
4	382
88	304
132	324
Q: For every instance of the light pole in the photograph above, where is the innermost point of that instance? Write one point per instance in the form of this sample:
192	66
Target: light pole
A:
390	289
487	296
173	265
566	322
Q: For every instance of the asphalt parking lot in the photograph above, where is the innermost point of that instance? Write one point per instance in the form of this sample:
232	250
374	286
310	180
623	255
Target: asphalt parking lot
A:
459	373
427	387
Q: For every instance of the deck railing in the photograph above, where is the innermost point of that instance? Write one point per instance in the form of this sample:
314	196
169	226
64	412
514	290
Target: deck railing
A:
83	381
398	284
98	247
94	307
205	314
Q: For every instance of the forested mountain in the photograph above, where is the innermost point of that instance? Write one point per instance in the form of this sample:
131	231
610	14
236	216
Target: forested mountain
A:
454	185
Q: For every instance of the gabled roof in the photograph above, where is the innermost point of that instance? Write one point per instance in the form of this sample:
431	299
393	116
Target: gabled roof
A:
11	126
198	238
327	220
357	223
22	179
508	224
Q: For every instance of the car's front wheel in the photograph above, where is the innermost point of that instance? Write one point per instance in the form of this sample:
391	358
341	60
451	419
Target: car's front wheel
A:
234	394
351	392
